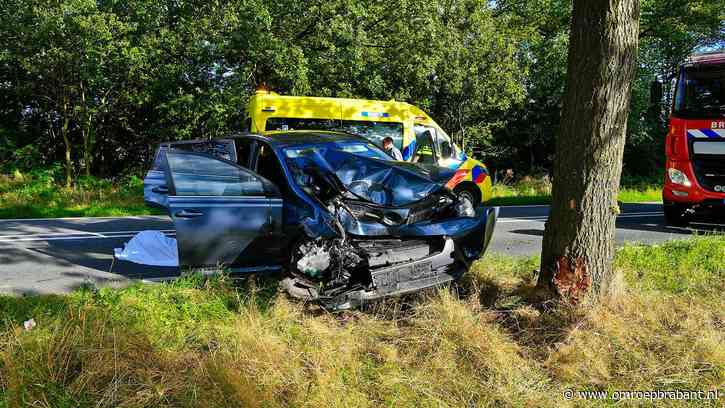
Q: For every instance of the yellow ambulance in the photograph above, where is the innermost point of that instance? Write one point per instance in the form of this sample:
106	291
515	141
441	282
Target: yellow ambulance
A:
414	133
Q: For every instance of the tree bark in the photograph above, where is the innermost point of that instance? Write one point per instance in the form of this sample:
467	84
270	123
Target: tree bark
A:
86	134
66	142
578	247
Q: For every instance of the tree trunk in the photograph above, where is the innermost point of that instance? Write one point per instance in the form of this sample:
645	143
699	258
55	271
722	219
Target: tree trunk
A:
578	247
68	147
68	158
86	134
87	148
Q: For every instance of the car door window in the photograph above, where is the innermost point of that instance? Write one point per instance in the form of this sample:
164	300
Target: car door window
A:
155	191
200	175
244	151
159	158
221	148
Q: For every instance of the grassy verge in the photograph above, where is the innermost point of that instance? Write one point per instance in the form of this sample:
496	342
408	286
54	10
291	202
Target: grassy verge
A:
208	343
533	191
38	195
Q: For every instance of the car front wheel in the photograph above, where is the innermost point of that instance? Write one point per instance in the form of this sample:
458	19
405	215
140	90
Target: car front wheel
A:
468	194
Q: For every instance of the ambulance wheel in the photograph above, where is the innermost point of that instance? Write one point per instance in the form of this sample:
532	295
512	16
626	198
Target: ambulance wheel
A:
464	192
676	215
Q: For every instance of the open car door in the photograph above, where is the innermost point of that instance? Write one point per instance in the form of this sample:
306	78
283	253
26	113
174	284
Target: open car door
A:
155	190
222	212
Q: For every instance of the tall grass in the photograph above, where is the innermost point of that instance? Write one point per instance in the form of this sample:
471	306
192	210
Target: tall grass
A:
537	190
527	190
39	194
214	343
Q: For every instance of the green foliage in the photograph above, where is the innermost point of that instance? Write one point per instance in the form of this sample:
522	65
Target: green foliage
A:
669	32
102	82
95	85
38	194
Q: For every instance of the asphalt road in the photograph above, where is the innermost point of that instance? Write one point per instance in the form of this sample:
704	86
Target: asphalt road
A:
58	255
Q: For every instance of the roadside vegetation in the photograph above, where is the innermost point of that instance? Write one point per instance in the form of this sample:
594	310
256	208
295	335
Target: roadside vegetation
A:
41	194
95	85
38	194
532	190
214	343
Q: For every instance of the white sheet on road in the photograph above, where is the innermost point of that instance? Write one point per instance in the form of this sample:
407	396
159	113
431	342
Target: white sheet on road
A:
149	248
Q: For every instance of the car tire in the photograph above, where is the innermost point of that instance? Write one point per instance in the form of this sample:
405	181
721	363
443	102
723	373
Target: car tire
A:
676	215
467	193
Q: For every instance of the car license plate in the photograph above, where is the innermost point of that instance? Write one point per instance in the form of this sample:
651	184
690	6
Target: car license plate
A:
388	280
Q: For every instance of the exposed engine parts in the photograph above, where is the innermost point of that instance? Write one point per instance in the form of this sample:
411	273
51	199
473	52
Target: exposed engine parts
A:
369	269
325	259
330	269
315	258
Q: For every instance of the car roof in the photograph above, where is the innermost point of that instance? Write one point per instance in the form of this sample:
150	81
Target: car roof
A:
284	138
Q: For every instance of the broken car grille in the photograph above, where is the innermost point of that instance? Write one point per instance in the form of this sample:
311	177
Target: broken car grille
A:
389	252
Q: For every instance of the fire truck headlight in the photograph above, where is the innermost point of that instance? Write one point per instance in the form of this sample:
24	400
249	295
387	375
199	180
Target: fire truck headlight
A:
678	177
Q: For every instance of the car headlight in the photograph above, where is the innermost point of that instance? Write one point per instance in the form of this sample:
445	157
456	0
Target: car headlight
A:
464	208
678	177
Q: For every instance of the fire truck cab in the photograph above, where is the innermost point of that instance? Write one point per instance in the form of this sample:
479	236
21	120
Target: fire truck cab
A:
694	181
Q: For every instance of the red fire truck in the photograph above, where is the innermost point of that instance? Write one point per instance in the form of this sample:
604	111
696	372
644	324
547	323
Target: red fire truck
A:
695	144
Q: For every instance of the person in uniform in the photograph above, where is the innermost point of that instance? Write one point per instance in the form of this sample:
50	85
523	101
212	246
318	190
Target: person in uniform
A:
390	149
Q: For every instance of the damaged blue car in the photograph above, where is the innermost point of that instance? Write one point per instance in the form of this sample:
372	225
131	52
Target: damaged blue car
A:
344	221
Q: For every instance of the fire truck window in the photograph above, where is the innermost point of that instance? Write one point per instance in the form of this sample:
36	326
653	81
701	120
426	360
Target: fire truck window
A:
701	93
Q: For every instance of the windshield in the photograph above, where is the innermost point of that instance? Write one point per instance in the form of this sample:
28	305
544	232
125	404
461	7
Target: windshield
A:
370	130
384	182
375	131
356	148
701	93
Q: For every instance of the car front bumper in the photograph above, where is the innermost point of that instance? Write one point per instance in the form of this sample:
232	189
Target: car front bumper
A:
464	241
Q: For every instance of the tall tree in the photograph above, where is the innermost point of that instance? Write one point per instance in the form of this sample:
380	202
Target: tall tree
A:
578	246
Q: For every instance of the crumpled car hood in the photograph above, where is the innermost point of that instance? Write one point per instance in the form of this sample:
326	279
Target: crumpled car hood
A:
386	183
